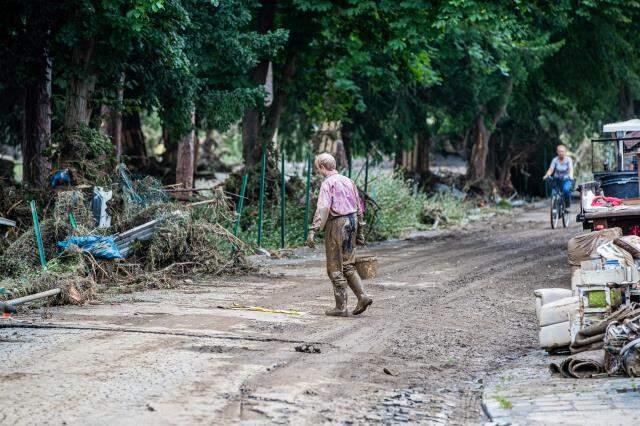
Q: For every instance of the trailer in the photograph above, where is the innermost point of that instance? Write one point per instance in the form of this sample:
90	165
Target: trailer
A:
612	199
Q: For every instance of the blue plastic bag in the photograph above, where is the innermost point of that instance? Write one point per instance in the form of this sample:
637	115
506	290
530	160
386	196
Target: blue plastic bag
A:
100	247
61	177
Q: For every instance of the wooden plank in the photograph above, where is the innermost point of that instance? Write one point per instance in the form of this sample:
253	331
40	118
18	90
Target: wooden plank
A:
613	213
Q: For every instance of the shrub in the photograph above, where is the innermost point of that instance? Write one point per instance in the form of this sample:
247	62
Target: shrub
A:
398	207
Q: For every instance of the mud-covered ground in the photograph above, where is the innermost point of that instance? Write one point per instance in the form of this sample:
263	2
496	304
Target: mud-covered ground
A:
450	308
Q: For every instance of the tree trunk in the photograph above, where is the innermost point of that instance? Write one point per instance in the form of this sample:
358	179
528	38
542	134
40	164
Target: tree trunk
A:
117	127
37	125
481	135
186	156
625	103
252	120
133	141
81	87
279	99
250	137
423	142
478	159
111	120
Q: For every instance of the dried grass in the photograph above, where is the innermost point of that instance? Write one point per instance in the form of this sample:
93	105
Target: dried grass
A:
194	243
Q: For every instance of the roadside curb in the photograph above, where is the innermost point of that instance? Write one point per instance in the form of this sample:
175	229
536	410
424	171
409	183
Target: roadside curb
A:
526	393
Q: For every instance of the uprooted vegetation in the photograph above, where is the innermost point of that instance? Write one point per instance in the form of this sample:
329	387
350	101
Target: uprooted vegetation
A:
396	208
187	239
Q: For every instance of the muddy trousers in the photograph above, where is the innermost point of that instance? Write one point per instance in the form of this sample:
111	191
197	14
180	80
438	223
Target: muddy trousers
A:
340	247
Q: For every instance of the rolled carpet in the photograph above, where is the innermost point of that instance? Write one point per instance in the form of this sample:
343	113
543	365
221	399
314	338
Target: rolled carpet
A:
581	365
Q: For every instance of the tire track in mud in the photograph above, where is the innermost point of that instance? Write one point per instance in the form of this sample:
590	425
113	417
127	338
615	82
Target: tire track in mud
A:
448	310
402	331
461	289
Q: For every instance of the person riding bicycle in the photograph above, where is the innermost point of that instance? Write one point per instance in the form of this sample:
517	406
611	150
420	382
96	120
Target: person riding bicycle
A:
561	169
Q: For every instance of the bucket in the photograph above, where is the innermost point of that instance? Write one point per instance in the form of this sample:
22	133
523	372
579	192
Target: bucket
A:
367	267
618	184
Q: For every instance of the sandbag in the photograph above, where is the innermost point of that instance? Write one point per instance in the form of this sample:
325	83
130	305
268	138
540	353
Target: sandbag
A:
610	251
584	247
630	243
580	366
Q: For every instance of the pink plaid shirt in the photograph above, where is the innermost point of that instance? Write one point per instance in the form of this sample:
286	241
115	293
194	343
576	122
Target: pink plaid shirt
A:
338	197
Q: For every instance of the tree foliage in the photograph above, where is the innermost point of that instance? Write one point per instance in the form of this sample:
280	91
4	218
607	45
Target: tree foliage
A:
496	81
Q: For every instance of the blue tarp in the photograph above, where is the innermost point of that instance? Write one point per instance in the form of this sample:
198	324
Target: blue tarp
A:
100	247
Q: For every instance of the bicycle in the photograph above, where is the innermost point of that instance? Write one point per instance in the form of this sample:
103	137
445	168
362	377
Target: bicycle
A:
558	207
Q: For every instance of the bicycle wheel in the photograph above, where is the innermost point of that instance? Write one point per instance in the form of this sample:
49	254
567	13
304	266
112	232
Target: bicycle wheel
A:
555	213
565	213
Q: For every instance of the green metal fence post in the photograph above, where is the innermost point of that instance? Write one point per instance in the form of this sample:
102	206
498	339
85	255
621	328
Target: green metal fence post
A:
307	201
282	205
366	173
263	170
72	220
36	229
243	189
349	162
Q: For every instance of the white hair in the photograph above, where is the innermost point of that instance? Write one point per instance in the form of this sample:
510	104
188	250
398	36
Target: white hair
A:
325	160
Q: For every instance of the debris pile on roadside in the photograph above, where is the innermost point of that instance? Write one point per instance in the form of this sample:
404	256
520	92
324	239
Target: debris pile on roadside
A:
121	238
598	320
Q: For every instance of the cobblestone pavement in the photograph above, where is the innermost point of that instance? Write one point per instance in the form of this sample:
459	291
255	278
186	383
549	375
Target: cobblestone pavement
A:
526	394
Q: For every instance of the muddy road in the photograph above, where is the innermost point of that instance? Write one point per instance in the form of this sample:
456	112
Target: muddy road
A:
450	308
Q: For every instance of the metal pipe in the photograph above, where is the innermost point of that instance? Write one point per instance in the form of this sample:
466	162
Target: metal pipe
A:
263	169
25	299
307	201
282	205
243	188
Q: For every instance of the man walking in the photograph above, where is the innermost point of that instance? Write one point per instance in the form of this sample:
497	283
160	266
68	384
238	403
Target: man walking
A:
340	212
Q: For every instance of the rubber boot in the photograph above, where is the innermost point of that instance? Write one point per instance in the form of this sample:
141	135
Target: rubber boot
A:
364	301
340	293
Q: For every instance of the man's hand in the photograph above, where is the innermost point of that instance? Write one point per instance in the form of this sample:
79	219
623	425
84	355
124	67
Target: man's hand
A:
310	243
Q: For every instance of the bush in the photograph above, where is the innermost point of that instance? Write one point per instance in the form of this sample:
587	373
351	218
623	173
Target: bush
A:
294	225
399	207
444	209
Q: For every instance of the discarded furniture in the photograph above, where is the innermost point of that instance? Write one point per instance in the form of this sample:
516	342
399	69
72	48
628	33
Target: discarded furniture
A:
553	306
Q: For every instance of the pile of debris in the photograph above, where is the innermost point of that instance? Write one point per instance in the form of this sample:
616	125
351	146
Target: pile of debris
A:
598	320
128	237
